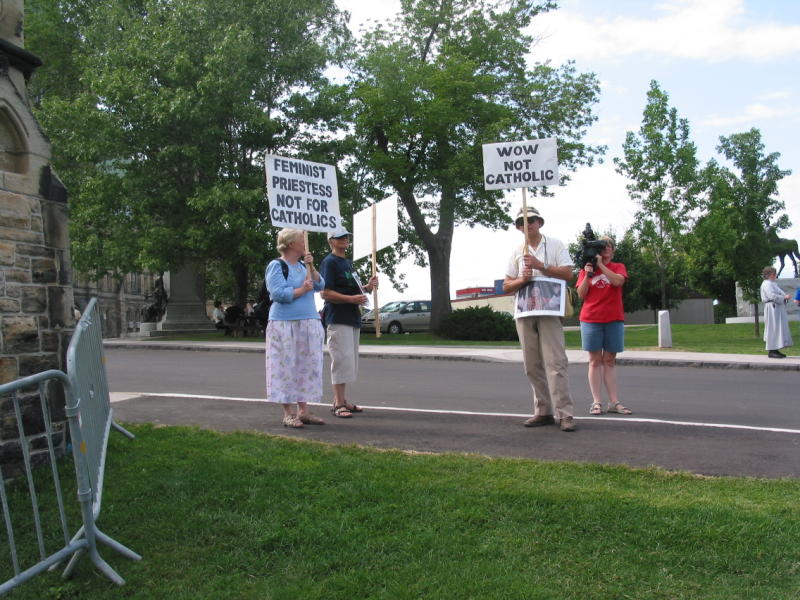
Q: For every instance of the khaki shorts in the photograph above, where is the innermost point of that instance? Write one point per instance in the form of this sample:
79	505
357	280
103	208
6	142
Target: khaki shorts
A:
343	349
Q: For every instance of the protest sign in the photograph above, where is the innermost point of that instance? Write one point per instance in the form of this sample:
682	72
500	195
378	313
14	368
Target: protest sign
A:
541	296
385	227
520	164
302	194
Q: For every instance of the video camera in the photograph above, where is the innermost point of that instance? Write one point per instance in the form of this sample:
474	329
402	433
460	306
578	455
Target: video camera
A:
591	247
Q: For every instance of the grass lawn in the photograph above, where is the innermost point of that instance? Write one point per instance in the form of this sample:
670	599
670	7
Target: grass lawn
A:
728	339
243	515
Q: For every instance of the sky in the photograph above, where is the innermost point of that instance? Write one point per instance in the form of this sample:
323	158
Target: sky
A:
727	66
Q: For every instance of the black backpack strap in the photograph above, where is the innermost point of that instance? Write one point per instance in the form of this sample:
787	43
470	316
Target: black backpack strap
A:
284	268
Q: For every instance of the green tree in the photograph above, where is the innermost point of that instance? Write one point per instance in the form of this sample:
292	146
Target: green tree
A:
446	77
729	242
660	160
161	131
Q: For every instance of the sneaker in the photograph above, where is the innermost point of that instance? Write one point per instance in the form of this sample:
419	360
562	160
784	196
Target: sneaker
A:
567	424
776	354
540	420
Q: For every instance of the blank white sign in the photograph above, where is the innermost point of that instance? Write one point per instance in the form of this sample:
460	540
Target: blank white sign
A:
385	228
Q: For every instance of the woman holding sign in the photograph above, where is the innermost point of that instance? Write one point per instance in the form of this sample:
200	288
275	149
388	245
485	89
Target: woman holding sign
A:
294	333
602	319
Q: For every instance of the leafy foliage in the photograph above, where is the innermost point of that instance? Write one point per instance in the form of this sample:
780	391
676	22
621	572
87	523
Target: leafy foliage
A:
661	162
160	114
730	241
429	89
478	323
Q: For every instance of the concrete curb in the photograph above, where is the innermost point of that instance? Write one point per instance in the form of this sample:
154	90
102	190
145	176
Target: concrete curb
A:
489	355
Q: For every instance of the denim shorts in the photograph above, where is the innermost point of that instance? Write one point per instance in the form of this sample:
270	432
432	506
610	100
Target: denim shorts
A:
603	336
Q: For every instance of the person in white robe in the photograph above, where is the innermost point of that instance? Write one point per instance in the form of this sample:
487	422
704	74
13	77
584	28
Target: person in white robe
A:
776	320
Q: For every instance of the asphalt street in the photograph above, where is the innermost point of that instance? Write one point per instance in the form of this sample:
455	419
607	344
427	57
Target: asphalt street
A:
708	421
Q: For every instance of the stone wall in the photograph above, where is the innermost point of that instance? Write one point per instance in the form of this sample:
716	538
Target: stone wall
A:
36	318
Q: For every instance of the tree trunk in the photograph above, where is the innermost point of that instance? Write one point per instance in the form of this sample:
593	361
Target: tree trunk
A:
755	320
439	258
240	279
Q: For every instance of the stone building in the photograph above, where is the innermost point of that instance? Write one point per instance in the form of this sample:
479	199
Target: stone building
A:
36	318
35	278
122	302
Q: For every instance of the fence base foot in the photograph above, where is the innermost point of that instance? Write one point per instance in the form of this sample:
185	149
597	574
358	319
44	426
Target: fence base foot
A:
122	430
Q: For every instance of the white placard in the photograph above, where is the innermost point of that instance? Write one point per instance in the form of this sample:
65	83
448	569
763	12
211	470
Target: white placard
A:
302	194
385	225
541	296
520	164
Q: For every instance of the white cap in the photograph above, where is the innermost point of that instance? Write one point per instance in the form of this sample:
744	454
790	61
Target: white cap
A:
338	232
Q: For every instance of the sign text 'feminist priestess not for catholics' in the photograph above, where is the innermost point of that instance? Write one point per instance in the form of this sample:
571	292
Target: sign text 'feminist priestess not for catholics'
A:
302	194
520	164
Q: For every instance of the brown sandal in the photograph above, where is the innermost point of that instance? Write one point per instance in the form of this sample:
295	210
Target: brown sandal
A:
353	408
310	419
341	411
619	409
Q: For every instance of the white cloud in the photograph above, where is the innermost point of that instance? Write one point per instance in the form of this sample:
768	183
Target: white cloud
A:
694	29
776	95
752	113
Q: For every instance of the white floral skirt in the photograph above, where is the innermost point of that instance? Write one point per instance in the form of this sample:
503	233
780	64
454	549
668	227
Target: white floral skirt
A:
294	361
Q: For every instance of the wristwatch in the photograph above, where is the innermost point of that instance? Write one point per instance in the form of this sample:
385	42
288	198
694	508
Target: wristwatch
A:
545	266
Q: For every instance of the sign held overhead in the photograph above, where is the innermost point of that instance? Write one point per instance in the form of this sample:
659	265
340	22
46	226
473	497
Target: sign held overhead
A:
520	164
385	227
302	194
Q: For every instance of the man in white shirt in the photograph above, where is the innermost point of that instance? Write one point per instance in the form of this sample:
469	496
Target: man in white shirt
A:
542	337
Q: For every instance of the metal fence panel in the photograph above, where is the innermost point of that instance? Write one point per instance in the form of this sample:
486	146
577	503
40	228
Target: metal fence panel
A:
89	414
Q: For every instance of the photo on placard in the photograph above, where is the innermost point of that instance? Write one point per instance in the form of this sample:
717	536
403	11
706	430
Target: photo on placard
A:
368	304
541	296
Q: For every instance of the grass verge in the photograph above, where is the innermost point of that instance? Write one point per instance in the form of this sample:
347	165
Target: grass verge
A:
726	339
251	516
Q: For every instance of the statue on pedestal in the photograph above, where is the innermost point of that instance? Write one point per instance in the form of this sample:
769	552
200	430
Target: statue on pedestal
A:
155	311
781	248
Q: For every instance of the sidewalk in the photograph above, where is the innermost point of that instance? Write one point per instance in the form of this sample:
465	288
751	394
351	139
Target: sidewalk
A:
664	358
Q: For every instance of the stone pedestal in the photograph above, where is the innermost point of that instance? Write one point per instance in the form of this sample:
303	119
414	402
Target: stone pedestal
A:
746	314
186	308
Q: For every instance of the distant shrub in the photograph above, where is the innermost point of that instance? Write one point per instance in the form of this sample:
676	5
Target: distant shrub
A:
478	323
722	311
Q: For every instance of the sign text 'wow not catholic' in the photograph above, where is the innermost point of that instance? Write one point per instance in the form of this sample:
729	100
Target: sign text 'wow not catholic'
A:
520	164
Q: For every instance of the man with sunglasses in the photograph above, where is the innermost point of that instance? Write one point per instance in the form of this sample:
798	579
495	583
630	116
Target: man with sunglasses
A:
542	336
342	317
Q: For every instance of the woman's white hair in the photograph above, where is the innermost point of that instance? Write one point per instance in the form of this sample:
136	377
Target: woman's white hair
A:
287	236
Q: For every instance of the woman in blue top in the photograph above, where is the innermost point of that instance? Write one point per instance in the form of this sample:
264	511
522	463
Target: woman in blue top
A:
294	333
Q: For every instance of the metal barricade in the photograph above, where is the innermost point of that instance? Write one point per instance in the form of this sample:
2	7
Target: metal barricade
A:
89	414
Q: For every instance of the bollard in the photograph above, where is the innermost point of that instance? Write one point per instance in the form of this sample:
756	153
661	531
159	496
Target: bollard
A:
664	330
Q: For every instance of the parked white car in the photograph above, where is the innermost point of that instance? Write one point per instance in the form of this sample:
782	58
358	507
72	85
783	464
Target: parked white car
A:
400	316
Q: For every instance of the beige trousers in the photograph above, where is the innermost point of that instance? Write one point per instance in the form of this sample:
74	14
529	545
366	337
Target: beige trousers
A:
545	360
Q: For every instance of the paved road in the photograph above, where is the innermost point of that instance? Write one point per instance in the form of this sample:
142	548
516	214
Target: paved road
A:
710	421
